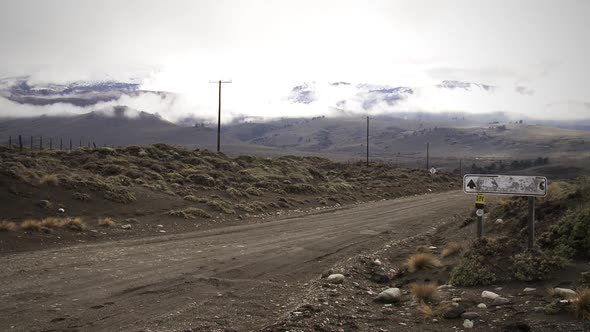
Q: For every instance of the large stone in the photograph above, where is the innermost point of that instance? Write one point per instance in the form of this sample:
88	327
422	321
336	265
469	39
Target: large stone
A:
336	278
126	226
489	295
501	301
470	315
390	295
467	324
482	306
453	312
566	292
528	290
45	204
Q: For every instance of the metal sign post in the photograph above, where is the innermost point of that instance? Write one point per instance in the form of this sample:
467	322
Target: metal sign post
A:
531	186
480	201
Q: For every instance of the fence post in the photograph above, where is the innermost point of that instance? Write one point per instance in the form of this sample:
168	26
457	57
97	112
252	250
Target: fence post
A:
31	143
20	142
94	144
61	144
70	144
10	142
50	143
40	143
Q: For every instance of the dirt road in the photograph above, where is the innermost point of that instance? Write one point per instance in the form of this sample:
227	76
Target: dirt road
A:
233	278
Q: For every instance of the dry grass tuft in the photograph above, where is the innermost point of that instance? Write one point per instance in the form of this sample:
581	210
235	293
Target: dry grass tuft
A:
421	261
425	292
49	179
452	248
7	226
581	303
425	311
106	222
31	225
423	248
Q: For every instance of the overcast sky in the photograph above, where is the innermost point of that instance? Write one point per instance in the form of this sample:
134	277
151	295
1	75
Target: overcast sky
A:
535	52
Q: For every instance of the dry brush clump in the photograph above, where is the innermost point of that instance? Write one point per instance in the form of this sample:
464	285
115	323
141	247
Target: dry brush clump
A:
70	223
452	248
421	261
426	292
31	225
7	226
189	213
48	179
581	303
105	222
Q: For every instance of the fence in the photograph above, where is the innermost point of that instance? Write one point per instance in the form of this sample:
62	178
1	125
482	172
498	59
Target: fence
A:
33	143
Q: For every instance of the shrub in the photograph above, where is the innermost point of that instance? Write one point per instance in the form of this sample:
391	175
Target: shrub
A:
235	192
421	261
106	222
254	191
189	213
81	196
119	195
425	311
31	225
581	304
571	234
202	179
220	206
49	179
538	266
300	188
472	271
6	226
425	292
191	198
452	248
74	224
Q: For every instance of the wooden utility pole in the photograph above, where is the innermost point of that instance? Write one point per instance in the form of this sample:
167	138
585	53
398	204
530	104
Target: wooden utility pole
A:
219	114
367	141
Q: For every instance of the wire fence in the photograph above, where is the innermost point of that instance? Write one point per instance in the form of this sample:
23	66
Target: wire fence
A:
40	143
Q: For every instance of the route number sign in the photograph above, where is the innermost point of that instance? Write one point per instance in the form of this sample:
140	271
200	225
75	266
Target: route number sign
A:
480	199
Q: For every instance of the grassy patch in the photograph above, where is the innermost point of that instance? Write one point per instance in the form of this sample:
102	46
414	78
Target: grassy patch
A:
421	261
7	226
81	196
189	213
537	266
120	196
220	206
425	311
31	225
472	271
581	304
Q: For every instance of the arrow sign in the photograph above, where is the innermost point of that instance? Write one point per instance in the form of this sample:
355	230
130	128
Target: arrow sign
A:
505	185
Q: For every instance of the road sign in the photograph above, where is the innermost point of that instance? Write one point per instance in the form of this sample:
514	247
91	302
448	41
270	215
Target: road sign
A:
480	199
479	212
505	185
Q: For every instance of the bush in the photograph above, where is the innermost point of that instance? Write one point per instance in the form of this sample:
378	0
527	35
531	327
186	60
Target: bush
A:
535	266
301	188
452	248
120	196
202	179
472	271
31	225
421	261
220	206
581	303
571	235
253	191
81	196
189	213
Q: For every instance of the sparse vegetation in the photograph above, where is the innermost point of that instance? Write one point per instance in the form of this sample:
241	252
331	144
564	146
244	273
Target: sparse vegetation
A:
581	304
31	225
427	292
189	213
220	206
472	271
49	179
538	266
421	261
452	248
120	195
7	226
81	196
106	222
425	311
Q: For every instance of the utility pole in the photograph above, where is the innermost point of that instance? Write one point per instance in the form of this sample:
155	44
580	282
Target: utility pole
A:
427	155
367	141
219	114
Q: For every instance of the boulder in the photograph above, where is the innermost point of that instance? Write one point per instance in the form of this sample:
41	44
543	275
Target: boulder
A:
453	312
470	315
468	324
336	278
489	295
45	204
565	292
501	301
390	295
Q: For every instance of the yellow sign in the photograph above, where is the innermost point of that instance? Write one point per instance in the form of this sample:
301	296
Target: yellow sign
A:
480	199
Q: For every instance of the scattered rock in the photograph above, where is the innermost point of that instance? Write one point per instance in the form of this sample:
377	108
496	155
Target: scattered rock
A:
538	309
441	287
564	292
326	273
585	277
468	324
379	277
456	299
470	315
45	204
501	301
482	306
527	290
126	226
130	220
489	295
62	210
516	327
390	295
453	312
499	222
336	278
377	262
